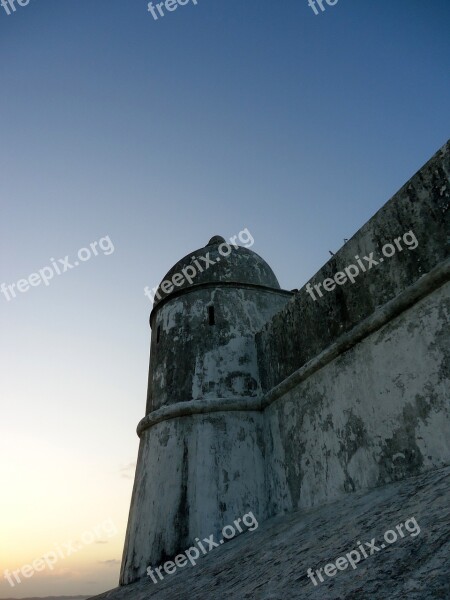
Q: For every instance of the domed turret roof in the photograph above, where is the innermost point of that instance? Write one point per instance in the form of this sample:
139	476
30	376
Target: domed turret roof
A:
241	266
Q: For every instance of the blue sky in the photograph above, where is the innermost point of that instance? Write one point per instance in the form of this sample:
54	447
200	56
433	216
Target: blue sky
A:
160	134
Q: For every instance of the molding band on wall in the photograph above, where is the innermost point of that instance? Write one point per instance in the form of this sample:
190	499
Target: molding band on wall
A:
215	284
421	288
198	407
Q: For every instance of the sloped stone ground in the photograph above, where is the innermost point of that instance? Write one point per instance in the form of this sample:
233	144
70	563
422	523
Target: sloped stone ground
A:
271	562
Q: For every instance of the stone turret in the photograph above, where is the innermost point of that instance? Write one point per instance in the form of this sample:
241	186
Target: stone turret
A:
201	455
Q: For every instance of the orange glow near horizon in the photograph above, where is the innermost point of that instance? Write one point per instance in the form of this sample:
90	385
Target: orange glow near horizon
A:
54	528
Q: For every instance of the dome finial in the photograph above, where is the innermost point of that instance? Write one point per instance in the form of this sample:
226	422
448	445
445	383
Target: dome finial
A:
216	239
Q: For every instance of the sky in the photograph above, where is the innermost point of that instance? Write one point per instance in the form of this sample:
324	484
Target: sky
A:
149	137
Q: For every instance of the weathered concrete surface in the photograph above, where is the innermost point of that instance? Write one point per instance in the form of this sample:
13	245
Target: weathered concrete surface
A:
306	327
194	359
271	562
195	471
194	475
378	413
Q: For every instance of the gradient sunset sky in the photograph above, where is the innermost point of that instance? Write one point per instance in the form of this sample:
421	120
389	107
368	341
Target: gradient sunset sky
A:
227	115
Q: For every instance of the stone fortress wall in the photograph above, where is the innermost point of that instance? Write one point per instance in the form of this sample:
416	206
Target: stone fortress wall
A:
324	397
357	382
